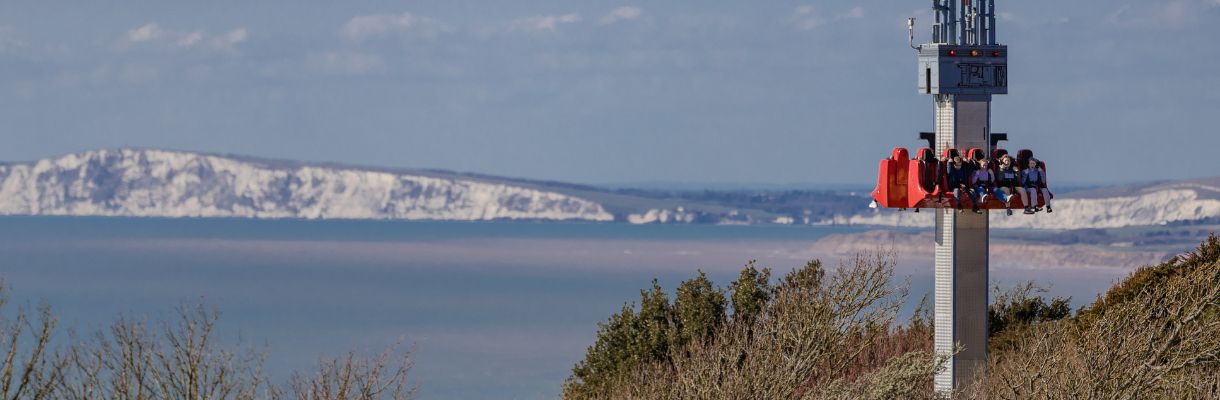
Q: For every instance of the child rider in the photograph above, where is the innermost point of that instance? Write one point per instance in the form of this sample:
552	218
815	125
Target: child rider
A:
983	182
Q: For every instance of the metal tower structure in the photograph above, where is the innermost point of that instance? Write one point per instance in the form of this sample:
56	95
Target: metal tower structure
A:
962	68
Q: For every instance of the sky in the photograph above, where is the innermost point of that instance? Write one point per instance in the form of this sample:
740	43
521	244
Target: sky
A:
601	92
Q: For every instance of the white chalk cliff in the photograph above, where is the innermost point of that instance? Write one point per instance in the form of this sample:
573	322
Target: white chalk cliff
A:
159	183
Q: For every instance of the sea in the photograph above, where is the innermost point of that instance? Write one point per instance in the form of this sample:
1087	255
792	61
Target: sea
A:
490	309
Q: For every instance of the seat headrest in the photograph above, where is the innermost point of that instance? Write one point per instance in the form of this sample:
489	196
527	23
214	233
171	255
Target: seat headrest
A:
900	154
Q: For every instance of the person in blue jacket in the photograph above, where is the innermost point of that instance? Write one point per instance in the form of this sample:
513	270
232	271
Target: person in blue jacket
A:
1034	180
957	179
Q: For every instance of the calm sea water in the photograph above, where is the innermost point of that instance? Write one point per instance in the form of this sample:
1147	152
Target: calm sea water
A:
495	310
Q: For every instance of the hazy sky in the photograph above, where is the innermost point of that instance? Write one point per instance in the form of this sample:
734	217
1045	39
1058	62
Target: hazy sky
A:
601	91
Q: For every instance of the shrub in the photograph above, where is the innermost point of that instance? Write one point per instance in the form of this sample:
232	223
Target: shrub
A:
1155	335
812	335
816	335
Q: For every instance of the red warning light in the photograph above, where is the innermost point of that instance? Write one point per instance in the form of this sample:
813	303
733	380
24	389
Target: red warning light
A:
952	53
995	53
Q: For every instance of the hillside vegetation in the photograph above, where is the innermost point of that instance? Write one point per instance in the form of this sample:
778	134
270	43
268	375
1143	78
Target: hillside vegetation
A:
818	334
1154	335
812	334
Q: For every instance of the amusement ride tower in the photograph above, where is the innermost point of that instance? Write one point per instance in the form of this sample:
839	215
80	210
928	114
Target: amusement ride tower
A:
961	68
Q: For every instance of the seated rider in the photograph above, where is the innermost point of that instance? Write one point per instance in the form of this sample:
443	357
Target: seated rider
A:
1034	180
1023	157
942	179
1008	179
983	182
957	180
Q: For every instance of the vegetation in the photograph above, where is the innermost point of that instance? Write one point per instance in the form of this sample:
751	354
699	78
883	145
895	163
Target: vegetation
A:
1013	312
1154	335
176	358
813	335
810	335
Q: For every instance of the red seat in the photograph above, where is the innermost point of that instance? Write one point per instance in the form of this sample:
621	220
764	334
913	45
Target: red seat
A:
946	158
974	155
943	191
923	179
1023	157
997	153
892	177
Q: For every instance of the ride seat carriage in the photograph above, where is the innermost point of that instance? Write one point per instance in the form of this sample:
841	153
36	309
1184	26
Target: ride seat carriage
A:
924	179
921	182
892	180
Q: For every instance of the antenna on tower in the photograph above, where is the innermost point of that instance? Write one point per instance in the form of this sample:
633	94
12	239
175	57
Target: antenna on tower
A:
911	33
954	20
940	19
991	22
972	23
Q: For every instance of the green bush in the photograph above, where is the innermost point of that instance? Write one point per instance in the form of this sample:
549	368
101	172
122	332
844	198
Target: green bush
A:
812	335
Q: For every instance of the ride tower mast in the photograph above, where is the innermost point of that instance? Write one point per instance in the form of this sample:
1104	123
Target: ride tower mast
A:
961	68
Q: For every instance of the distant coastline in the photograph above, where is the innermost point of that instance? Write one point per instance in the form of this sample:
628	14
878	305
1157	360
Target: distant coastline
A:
165	183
